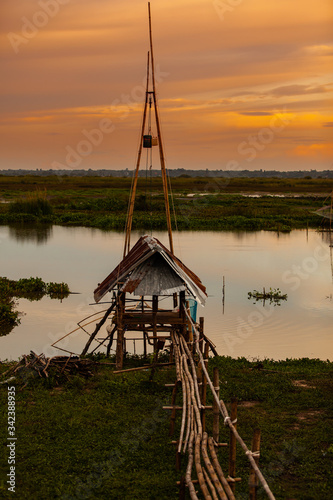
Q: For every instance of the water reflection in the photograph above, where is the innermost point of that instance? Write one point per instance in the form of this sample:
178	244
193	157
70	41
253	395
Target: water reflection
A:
38	233
298	263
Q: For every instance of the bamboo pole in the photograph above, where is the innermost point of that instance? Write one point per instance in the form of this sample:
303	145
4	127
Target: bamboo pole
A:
232	446
189	407
144	367
201	332
184	412
200	475
177	355
194	372
210	484
204	394
216	483
160	145
120	331
135	180
253	480
188	474
216	411
192	396
219	470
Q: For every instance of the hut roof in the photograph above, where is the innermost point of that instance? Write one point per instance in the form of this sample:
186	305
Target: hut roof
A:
151	269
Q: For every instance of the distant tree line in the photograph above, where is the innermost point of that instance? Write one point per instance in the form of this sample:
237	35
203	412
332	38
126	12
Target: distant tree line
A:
177	172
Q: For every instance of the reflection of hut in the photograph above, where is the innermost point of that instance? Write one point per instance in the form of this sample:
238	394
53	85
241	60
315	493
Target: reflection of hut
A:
151	272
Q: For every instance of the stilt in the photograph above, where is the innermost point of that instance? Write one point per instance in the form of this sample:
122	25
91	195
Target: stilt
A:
232	445
253	480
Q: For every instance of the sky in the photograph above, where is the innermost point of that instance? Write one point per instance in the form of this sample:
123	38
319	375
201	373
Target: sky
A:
241	84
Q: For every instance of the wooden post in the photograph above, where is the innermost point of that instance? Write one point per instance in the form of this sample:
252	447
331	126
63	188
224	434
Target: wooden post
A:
173	411
182	314
120	331
175	300
201	331
143	330
171	352
253	480
232	445
155	309
178	458
182	488
216	410
188	323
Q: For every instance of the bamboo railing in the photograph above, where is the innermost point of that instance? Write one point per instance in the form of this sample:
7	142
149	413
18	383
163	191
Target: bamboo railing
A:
193	439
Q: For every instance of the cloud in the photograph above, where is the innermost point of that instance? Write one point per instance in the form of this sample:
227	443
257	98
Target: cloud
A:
256	113
294	90
328	124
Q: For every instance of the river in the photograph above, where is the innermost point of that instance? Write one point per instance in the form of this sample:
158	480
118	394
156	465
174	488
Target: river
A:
299	263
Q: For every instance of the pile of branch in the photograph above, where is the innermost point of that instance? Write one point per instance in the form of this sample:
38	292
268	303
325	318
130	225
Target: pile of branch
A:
59	366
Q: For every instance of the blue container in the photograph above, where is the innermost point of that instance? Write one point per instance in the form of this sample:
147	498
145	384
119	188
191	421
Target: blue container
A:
193	309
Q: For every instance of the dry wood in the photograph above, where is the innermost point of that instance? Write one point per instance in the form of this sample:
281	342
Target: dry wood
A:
64	368
200	475
219	471
216	483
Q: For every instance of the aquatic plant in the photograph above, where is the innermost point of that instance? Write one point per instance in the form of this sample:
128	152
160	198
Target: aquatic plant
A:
274	295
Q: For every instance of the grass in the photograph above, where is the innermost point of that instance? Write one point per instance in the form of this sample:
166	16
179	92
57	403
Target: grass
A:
214	204
107	436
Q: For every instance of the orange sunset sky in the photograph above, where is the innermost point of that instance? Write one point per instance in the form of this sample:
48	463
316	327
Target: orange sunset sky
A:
243	84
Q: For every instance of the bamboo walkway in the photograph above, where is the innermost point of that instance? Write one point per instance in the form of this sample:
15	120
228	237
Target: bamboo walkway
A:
193	378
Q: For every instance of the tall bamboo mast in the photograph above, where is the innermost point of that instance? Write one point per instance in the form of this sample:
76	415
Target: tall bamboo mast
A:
135	180
161	152
160	145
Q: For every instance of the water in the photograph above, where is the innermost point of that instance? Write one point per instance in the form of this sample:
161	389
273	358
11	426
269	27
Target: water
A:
299	263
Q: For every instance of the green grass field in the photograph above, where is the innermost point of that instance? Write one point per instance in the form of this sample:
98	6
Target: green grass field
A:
107	436
197	203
